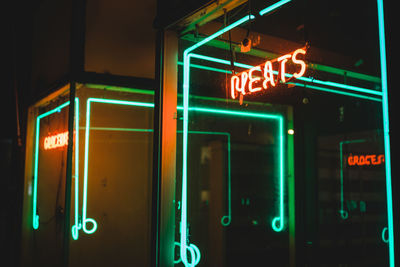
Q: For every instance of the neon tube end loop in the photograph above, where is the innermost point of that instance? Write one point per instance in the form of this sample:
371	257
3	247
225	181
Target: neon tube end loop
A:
94	226
277	226
35	221
384	233
344	214
178	260
195	255
75	232
226	220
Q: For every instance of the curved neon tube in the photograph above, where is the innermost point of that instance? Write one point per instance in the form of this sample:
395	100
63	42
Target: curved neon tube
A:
383	235
304	79
344	214
385	115
86	220
185	245
35	219
75	228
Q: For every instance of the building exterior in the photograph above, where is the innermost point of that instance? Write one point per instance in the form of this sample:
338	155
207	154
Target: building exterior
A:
223	133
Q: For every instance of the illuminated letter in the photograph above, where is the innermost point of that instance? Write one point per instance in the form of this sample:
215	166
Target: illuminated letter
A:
298	61
355	162
283	60
361	160
234	84
243	77
252	80
373	159
381	159
367	159
268	75
350	161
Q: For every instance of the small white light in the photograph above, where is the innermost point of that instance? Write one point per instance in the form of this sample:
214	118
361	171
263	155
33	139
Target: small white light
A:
290	131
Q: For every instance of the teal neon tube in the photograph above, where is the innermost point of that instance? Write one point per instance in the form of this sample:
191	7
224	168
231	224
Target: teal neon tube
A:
85	219
75	228
185	245
343	213
328	90
227	218
35	219
385	115
273	7
319	88
304	79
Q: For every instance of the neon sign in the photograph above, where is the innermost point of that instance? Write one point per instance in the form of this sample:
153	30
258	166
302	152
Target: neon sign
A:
247	82
56	141
366	160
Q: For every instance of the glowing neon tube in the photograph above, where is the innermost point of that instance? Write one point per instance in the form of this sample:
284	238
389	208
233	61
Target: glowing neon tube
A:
85	219
273	7
35	215
343	213
75	228
385	115
226	219
185	244
304	79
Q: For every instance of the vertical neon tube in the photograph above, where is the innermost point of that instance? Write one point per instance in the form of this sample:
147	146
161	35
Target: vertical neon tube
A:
278	223
186	77
35	215
86	220
226	220
75	228
343	213
35	222
385	111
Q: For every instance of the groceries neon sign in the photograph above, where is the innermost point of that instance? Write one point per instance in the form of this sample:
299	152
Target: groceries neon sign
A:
264	76
365	160
56	141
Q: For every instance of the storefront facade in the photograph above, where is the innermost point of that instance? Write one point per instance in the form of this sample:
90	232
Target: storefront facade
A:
242	148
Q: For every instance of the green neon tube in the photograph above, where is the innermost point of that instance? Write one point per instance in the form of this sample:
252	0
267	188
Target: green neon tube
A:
75	228
304	79
85	219
288	75
385	115
185	245
35	221
337	92
343	213
273	7
278	222
226	219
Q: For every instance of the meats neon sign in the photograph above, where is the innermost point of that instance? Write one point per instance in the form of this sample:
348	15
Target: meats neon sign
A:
263	76
56	141
365	160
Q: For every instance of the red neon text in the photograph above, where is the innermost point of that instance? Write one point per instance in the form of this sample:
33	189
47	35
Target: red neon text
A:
362	160
56	141
262	76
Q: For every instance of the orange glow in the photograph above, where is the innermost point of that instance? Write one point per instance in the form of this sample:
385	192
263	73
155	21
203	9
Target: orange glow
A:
253	80
239	81
56	141
298	61
365	160
283	60
268	75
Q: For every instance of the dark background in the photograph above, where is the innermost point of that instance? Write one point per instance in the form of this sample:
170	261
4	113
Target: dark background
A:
18	90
